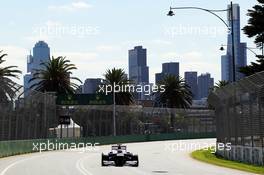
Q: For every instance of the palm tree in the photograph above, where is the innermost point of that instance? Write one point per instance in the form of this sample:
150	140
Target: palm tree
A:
220	84
55	76
255	24
217	86
253	67
119	77
177	94
255	29
8	87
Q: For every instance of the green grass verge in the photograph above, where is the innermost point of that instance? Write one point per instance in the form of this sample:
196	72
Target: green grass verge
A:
208	157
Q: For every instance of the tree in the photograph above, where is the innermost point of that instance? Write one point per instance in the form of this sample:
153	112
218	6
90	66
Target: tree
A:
118	77
220	84
217	86
55	76
177	94
255	28
8	87
253	67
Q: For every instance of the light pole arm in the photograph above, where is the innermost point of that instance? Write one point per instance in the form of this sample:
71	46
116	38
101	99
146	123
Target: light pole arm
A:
207	10
230	27
251	50
248	48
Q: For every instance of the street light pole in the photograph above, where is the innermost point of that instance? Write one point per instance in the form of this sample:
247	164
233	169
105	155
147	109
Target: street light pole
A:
114	113
233	42
213	12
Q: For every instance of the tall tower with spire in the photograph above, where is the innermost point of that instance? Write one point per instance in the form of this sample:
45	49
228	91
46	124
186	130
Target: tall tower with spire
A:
240	48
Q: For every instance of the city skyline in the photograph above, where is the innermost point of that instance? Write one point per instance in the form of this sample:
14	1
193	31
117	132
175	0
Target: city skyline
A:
106	45
137	63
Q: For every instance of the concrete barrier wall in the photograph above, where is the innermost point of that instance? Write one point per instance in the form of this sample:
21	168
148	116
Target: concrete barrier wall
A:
10	148
246	154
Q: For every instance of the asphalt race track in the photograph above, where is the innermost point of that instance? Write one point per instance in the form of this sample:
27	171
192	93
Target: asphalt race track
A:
155	158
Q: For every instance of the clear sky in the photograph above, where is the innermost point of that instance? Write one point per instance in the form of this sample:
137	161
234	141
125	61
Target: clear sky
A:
97	34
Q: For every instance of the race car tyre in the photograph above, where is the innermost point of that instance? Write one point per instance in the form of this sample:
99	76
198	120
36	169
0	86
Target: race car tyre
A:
136	160
103	159
119	161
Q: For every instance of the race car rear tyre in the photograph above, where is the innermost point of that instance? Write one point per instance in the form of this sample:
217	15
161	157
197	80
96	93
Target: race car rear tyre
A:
136	160
102	160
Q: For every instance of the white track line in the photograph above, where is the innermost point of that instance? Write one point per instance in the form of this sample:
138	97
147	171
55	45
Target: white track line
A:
80	166
16	163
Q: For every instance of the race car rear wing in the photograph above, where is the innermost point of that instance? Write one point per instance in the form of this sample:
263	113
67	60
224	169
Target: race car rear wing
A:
116	147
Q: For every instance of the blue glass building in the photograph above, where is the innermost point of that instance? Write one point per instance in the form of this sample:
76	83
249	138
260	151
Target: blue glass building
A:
192	81
205	83
137	62
41	53
171	68
138	69
91	85
240	49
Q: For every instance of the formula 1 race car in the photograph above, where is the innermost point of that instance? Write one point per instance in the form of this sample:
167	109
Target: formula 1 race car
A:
119	157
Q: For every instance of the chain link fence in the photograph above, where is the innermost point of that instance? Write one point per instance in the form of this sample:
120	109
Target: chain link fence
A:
240	119
29	117
98	120
36	116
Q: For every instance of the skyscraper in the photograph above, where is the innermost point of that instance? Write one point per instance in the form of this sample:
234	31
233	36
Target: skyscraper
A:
171	68
159	77
41	53
240	49
91	85
138	69
225	63
192	82
205	83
